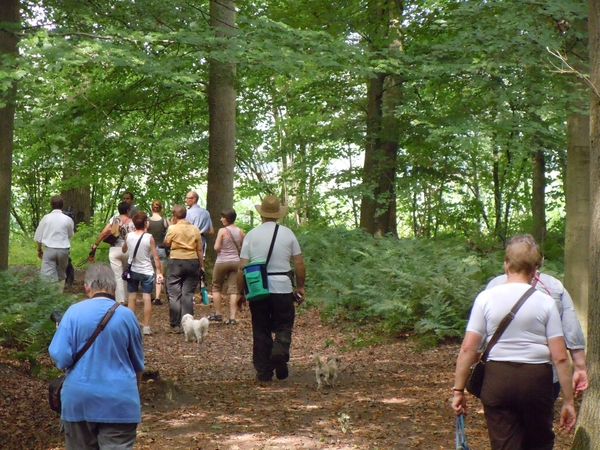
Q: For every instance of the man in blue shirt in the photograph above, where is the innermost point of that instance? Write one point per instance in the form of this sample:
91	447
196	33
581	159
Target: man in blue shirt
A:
100	397
198	217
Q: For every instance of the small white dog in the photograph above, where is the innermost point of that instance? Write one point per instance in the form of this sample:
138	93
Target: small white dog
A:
194	329
333	365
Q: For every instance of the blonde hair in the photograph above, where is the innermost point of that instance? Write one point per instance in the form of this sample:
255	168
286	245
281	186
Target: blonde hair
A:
523	255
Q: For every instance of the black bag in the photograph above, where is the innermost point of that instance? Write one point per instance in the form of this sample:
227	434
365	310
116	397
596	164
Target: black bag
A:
475	380
54	393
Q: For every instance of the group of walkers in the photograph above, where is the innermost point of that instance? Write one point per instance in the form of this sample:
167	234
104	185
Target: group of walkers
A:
100	395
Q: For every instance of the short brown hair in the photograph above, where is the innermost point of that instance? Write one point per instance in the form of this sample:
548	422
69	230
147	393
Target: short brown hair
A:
57	202
139	220
179	211
229	214
523	255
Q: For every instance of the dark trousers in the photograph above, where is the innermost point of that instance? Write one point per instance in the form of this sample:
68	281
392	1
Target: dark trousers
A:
518	405
272	315
182	282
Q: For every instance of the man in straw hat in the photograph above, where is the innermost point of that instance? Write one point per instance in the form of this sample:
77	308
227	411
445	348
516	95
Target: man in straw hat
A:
274	314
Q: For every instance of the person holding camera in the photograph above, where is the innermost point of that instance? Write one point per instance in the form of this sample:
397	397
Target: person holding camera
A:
276	313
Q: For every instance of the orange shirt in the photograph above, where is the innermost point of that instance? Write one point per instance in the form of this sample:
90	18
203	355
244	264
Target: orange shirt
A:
184	239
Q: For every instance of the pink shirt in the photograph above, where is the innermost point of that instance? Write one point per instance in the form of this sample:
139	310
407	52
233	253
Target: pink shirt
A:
229	252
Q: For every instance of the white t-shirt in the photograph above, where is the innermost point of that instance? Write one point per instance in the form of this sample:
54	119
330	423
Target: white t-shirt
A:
55	230
256	248
526	338
143	258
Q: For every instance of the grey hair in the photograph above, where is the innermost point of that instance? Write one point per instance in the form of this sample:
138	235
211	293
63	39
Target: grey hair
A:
100	278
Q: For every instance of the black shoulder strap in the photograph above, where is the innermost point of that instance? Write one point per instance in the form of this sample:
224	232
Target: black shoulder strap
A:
93	337
505	322
272	244
136	247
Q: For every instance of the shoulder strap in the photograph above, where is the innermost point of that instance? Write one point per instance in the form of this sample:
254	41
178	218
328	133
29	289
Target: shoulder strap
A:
233	239
272	244
505	322
137	246
93	337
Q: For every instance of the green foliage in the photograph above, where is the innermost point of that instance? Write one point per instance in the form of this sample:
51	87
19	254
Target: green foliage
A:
415	286
25	307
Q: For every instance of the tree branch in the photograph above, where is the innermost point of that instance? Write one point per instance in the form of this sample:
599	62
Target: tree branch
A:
571	70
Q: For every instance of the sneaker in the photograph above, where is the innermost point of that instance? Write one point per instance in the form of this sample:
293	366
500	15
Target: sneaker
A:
157	301
175	330
215	318
146	331
230	322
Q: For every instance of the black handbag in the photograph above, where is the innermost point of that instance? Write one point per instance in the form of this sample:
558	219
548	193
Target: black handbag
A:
126	275
55	386
477	371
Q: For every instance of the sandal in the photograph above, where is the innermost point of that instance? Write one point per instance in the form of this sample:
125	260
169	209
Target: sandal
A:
215	318
230	322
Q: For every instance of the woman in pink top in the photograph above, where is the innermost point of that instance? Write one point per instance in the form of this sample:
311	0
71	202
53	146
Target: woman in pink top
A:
227	245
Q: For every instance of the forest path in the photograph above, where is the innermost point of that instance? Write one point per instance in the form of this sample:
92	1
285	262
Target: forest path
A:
389	395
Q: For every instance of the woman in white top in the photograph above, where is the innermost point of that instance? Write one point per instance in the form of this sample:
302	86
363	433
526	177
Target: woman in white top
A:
142	271
227	245
517	387
118	259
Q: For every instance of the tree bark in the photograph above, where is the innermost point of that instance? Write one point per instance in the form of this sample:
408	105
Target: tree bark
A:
587	435
9	14
221	108
577	199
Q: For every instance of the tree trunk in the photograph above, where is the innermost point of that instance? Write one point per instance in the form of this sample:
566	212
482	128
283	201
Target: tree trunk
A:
577	199
587	435
9	14
538	197
221	108
368	207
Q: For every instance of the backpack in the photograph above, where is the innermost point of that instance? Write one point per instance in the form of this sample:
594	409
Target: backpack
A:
115	231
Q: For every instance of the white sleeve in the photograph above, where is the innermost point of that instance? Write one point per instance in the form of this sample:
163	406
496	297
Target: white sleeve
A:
477	322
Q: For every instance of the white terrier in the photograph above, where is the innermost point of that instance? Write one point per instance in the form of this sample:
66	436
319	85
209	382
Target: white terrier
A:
194	329
333	363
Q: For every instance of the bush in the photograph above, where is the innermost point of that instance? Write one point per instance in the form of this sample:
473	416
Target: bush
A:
25	307
424	287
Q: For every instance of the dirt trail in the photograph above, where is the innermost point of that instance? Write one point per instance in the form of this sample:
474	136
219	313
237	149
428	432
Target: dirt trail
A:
391	395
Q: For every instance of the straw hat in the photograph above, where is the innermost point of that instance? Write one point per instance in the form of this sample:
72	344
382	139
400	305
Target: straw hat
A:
271	208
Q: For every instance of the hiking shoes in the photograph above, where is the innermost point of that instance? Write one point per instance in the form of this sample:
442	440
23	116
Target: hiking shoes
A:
146	331
281	371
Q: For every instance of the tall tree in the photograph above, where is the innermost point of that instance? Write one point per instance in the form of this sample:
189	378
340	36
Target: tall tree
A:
587	436
221	108
9	25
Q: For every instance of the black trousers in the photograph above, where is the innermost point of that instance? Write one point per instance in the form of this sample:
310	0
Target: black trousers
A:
182	282
518	404
273	315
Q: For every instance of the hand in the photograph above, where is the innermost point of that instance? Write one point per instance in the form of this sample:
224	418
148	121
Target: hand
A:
580	381
568	418
94	246
40	253
459	403
241	301
159	279
299	296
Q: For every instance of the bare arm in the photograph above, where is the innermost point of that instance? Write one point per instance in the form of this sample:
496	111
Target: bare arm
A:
200	254
580	378
300	271
240	276
558	350
124	248
102	233
219	239
156	259
466	358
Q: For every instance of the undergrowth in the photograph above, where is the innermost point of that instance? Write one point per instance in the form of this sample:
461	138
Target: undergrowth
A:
25	307
422	287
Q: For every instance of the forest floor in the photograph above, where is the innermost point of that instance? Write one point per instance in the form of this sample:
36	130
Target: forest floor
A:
391	394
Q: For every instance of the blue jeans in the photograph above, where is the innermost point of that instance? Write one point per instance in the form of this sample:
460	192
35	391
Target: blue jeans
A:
181	284
147	281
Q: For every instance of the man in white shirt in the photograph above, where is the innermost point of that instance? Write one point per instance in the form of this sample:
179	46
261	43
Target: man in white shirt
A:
54	232
276	313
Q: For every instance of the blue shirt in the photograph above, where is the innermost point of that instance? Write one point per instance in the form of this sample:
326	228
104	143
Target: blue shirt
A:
199	217
102	387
